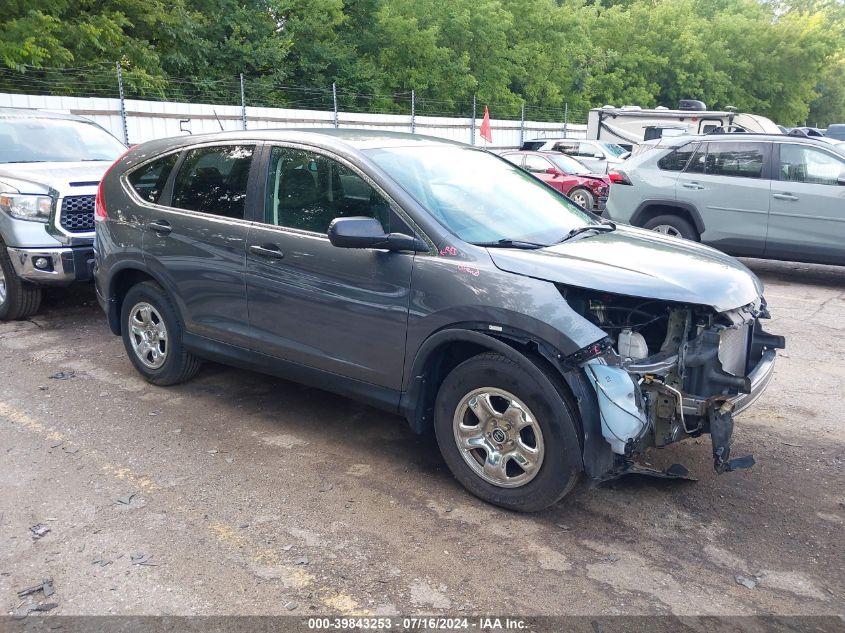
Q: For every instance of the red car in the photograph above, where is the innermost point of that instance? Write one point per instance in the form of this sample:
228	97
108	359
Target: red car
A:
565	174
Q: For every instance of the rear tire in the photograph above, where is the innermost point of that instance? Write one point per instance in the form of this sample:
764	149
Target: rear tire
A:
583	197
506	434
18	298
674	226
152	336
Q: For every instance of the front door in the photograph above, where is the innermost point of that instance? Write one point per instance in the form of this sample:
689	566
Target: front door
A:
807	220
728	183
541	167
196	241
340	310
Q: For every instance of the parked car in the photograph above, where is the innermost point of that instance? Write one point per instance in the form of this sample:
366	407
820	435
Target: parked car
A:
400	270
50	165
599	157
566	175
772	196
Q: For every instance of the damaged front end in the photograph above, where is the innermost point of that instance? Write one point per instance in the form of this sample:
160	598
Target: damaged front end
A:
669	371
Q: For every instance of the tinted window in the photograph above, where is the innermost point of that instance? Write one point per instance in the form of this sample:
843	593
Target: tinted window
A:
567	148
677	159
743	160
800	163
532	145
537	164
213	180
307	191
148	181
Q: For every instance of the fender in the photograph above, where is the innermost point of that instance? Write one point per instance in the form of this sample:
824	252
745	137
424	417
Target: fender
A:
636	218
111	307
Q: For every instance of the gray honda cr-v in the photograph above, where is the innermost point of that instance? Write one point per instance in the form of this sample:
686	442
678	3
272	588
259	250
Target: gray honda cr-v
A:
436	281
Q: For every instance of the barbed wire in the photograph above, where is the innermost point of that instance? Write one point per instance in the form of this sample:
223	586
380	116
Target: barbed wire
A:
263	91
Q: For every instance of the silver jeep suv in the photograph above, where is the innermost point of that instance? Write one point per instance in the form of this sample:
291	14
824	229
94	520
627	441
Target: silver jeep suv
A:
50	167
756	195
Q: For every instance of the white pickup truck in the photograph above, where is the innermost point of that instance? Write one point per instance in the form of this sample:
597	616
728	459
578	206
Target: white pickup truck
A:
50	167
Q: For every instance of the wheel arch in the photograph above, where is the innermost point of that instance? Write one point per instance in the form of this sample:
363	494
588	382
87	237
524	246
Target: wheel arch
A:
447	348
649	209
119	284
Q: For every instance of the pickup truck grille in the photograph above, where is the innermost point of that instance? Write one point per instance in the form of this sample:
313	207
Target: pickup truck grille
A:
77	214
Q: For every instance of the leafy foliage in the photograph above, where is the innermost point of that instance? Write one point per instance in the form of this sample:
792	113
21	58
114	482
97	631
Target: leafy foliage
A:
781	58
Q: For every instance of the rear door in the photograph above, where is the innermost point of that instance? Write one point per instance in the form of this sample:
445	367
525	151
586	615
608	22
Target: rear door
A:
195	242
340	310
807	219
728	183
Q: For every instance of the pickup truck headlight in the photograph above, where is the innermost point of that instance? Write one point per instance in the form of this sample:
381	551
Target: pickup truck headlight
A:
26	207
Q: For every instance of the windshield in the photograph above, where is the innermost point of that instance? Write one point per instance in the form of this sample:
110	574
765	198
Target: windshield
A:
33	140
479	197
614	149
568	165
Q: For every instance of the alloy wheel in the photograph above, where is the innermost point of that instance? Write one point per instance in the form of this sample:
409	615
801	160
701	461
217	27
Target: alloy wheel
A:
667	229
148	335
498	437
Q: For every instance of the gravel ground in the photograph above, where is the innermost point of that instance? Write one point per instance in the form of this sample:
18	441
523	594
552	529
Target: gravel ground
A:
242	494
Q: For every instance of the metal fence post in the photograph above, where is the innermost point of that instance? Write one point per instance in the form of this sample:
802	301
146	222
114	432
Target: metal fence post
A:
472	125
243	103
334	101
413	113
522	124
122	104
565	118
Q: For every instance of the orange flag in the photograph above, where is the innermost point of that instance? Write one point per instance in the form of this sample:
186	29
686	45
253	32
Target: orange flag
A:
486	132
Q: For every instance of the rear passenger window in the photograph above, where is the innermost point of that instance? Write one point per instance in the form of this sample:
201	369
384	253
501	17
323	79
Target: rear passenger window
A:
213	180
740	160
148	181
677	159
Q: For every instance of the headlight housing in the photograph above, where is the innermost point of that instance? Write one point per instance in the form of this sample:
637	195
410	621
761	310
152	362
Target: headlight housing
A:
26	207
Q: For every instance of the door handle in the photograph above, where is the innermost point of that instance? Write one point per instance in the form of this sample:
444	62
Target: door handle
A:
267	250
785	196
693	185
160	226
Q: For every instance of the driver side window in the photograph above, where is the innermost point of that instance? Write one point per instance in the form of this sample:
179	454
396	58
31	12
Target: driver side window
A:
307	190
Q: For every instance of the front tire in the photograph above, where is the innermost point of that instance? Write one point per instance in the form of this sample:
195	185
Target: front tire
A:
672	225
506	433
583	198
18	298
152	336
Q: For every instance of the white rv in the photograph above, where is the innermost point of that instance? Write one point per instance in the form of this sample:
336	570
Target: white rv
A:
632	124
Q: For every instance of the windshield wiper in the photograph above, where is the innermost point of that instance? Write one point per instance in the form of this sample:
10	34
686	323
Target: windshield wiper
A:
605	227
509	243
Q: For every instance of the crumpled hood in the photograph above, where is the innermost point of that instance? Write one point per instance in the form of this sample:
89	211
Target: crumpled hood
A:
66	178
639	263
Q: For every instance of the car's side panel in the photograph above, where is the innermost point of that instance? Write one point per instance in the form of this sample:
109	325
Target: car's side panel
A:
441	286
807	220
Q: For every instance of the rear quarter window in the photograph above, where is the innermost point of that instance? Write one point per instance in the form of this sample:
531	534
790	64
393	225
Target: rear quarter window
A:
677	159
148	180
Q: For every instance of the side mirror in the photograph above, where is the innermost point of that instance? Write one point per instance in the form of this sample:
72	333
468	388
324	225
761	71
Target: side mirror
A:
599	156
368	233
552	171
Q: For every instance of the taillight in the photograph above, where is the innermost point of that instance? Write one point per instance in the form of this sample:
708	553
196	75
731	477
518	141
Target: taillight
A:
100	212
619	177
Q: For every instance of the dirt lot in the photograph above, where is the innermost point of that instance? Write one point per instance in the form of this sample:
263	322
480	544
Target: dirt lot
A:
255	496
